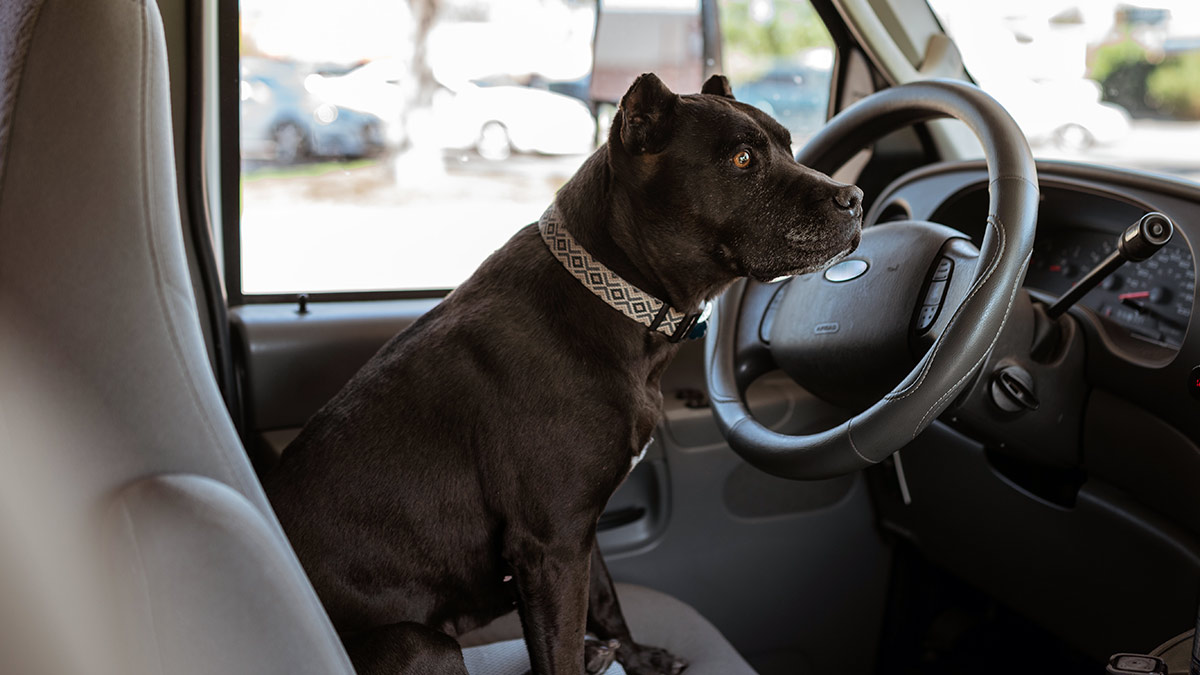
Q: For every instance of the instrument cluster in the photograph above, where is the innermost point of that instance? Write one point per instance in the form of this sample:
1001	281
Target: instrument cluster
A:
1152	299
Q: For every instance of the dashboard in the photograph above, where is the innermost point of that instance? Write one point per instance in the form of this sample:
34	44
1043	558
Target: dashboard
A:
1142	344
1144	309
1090	492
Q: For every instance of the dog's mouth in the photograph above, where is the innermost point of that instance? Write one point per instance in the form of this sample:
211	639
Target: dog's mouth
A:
809	269
825	261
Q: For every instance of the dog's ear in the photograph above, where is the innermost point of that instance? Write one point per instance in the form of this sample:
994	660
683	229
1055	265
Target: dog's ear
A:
647	110
717	85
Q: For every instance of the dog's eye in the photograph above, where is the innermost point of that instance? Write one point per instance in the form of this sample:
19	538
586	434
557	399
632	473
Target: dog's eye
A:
742	159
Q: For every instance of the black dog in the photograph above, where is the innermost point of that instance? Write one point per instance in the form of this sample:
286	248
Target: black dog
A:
463	469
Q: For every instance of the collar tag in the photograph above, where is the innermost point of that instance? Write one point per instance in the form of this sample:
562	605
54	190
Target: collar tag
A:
700	327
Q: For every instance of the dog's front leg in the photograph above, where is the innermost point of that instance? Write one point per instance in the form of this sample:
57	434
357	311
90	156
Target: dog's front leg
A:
605	621
552	595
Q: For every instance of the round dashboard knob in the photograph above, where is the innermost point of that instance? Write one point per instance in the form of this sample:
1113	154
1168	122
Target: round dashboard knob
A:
1143	239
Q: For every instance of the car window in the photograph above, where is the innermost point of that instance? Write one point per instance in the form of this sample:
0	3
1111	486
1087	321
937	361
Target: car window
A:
779	57
393	145
1106	82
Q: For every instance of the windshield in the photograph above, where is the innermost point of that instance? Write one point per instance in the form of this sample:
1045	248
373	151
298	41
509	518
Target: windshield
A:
1100	81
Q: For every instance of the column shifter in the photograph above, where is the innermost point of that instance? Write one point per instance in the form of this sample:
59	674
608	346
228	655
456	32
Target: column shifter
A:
1138	242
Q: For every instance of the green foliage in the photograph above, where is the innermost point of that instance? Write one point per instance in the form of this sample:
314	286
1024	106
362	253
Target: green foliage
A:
1174	86
1111	58
794	27
1129	78
1122	69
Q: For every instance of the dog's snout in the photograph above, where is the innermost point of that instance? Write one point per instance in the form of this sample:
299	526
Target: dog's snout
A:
848	197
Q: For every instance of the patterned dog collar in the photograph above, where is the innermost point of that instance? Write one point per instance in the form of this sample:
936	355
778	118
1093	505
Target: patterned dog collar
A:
619	294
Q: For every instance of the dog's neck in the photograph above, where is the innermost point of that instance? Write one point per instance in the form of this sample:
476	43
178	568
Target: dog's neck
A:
636	304
609	229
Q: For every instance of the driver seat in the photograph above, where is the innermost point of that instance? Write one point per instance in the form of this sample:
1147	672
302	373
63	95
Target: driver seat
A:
134	535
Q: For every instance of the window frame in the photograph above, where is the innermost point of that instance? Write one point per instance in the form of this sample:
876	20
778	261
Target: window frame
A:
228	91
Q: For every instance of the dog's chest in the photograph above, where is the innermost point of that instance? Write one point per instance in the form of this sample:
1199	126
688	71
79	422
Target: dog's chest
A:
648	415
640	456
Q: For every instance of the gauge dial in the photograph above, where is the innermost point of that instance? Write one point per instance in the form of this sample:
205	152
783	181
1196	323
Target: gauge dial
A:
1153	298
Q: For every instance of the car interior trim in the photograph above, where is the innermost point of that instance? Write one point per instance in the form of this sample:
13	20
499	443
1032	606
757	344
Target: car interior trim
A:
953	140
229	157
199	216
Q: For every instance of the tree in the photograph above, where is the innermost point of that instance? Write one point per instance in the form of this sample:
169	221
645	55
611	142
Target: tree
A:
425	14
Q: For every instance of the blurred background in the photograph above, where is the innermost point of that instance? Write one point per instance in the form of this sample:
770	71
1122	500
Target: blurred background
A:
394	144
1109	82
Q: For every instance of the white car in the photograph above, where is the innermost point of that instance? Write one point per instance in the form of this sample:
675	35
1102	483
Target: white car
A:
497	120
1067	113
382	88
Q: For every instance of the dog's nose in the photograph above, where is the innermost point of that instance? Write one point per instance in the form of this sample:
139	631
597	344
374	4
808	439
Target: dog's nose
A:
849	197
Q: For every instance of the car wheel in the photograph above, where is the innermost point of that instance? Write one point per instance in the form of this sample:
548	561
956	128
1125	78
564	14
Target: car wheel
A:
1073	137
493	143
290	144
372	139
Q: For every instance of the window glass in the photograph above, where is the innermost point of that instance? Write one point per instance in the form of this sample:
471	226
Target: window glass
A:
394	144
1102	81
779	57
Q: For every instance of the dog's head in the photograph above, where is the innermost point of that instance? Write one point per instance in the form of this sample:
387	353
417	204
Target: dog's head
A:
716	184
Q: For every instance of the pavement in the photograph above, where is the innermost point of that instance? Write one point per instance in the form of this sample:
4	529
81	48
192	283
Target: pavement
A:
402	223
1158	146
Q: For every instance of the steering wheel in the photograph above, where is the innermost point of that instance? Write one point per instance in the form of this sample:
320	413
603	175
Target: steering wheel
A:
895	306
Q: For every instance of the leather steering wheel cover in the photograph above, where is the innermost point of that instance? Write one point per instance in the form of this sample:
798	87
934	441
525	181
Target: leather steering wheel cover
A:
898	417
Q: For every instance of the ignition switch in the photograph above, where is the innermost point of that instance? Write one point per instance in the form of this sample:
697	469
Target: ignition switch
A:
1012	389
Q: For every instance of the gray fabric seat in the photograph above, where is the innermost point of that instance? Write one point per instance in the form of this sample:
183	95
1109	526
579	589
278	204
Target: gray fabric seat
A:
655	619
116	451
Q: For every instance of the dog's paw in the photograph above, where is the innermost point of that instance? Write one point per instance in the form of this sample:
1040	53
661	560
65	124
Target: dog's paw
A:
598	655
644	660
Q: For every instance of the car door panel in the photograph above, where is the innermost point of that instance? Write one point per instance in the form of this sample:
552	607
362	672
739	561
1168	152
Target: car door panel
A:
1093	564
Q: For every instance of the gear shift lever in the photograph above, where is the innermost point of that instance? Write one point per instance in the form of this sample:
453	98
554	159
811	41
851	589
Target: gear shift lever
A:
1137	243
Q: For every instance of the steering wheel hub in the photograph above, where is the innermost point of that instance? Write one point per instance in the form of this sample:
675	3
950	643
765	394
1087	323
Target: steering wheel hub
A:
850	341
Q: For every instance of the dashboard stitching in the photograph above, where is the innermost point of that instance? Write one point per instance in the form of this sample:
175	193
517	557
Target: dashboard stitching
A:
993	221
953	390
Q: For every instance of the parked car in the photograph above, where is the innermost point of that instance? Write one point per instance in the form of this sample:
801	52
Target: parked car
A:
496	120
795	94
283	123
382	88
1068	114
